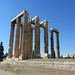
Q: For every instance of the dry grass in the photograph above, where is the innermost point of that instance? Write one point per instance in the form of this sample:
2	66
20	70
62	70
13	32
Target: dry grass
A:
30	70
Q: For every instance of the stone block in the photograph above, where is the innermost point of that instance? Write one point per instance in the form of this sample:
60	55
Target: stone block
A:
44	55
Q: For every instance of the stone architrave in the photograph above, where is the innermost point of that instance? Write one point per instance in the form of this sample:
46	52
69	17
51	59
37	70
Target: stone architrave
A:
37	43
46	37
17	38
11	40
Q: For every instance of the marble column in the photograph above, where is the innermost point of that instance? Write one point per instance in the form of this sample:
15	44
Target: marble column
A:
46	39
17	38
11	40
21	41
52	44
25	36
37	43
57	44
29	51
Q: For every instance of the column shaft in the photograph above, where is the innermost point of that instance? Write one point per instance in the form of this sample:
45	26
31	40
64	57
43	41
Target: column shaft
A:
52	44
29	40
45	39
11	40
16	50
37	43
57	44
25	36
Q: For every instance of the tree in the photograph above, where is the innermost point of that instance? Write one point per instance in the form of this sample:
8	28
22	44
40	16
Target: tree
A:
1	51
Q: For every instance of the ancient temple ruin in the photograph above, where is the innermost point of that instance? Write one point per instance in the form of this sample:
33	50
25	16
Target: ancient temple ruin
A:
52	43
26	41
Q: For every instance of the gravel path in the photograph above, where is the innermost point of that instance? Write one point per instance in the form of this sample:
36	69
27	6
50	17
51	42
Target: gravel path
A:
3	72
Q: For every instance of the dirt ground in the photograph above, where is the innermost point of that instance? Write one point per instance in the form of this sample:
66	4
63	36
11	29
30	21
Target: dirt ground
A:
3	72
29	70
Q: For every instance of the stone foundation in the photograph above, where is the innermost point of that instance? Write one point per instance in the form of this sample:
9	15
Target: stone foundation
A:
47	63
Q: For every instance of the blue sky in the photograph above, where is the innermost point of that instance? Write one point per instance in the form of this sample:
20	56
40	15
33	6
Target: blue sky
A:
59	13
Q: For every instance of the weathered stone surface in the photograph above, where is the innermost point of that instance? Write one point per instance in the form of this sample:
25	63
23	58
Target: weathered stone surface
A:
19	15
52	43
25	36
30	36
26	41
11	40
46	38
57	44
37	43
44	55
16	50
54	30
61	64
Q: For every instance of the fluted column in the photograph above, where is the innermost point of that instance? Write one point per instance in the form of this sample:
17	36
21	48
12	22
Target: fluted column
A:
29	51
52	44
57	44
21	41
25	36
11	40
37	43
16	50
46	37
